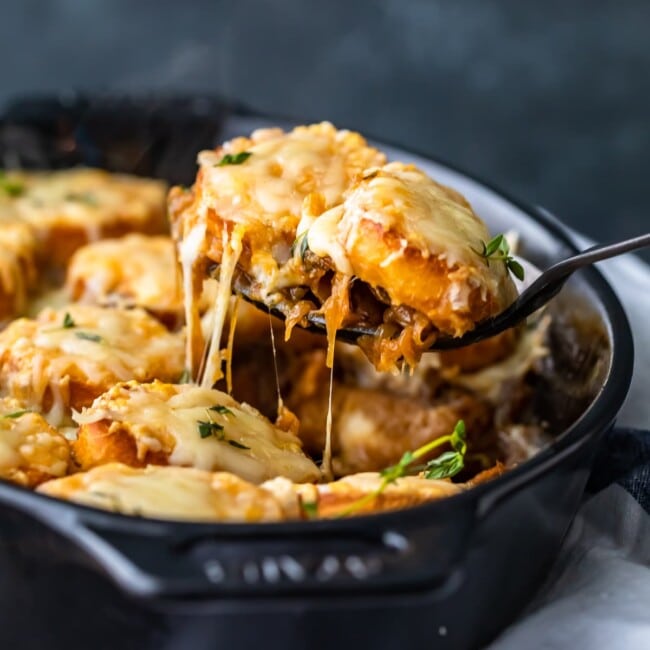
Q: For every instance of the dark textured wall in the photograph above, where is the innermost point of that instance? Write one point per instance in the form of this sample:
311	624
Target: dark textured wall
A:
549	100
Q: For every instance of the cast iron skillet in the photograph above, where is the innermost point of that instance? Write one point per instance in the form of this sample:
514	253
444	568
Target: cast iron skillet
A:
450	574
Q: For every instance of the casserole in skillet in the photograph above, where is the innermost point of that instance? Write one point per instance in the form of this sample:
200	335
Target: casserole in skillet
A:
427	554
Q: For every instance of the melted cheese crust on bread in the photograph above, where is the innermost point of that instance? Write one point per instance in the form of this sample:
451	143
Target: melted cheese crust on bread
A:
343	497
183	424
71	207
31	450
54	368
170	493
18	252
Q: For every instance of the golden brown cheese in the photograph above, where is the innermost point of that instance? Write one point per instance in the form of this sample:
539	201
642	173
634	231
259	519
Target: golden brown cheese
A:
342	497
170	493
187	425
71	207
132	271
400	231
31	451
55	362
18	252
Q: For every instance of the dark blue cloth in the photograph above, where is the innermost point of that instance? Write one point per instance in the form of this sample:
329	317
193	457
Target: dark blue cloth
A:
624	458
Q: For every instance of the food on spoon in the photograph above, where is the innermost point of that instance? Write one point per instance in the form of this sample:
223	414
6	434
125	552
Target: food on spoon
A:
305	232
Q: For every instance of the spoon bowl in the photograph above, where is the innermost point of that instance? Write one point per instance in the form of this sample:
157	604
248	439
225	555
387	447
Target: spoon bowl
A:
535	291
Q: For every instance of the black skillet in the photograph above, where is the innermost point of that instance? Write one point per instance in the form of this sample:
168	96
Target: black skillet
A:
450	574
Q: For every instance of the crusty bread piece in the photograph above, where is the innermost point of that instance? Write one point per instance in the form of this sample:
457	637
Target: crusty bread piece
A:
18	275
69	208
31	450
170	493
65	358
183	424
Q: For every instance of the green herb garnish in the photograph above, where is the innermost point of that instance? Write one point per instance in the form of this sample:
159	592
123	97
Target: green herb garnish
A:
223	410
81	197
87	336
238	445
301	244
11	187
207	429
451	462
234	158
68	321
185	378
310	508
16	414
498	250
436	468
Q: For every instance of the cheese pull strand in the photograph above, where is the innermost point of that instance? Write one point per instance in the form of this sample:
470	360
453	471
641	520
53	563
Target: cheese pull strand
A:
232	248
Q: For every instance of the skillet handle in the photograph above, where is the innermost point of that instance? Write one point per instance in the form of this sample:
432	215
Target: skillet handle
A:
158	560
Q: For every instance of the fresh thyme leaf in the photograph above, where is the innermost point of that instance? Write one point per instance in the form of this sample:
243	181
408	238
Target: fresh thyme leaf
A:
458	435
234	158
81	197
516	269
238	445
68	322
186	377
497	250
310	508
88	336
223	410
493	245
207	429
444	466
16	414
10	187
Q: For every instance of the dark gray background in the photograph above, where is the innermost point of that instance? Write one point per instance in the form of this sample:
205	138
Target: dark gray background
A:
548	100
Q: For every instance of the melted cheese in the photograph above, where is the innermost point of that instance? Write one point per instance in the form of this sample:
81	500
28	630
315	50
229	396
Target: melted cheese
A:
401	199
490	381
156	412
135	270
18	248
283	168
41	354
232	247
30	449
89	198
169	493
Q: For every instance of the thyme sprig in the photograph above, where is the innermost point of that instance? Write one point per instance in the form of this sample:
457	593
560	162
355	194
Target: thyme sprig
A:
209	427
498	250
10	186
16	414
444	466
234	158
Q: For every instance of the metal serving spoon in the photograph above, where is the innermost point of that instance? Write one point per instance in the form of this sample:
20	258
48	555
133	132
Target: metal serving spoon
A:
539	287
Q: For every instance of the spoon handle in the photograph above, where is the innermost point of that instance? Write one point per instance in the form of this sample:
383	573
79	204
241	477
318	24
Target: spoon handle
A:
594	254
